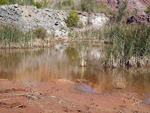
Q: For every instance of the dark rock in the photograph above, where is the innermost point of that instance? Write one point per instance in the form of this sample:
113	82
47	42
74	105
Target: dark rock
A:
143	19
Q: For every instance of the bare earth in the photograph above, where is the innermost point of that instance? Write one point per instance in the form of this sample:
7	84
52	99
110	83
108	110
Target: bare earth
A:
62	96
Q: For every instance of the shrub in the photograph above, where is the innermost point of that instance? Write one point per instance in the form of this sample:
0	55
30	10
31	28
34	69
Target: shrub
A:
3	2
72	19
40	33
12	1
122	10
72	7
102	5
38	5
45	3
103	8
32	2
88	5
58	5
67	3
148	9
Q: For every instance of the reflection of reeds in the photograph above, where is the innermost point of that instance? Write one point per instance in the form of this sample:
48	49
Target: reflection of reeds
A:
82	62
119	80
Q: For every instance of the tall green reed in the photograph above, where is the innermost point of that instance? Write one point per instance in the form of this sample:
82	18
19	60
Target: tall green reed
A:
10	35
128	41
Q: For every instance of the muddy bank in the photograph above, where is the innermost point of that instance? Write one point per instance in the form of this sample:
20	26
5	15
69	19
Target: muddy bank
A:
63	96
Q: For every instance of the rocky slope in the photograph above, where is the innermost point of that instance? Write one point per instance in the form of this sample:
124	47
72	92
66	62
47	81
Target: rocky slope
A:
29	17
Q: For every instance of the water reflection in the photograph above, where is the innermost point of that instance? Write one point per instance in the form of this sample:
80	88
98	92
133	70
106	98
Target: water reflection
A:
63	61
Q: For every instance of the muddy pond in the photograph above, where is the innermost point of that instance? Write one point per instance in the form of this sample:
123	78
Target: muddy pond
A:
64	61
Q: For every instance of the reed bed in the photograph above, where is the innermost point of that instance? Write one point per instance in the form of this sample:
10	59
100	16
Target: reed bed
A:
128	44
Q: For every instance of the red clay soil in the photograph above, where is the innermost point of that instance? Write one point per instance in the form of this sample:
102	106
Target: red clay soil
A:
62	96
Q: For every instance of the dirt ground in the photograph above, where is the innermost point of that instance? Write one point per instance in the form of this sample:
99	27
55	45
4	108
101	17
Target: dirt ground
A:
62	96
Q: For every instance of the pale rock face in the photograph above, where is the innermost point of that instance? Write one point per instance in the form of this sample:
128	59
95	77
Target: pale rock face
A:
57	33
97	20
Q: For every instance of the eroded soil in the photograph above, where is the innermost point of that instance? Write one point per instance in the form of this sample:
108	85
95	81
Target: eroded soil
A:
62	96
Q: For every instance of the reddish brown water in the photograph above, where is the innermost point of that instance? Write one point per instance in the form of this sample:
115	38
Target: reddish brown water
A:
63	61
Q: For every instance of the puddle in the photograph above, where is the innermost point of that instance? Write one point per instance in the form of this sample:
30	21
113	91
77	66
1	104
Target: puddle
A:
147	101
85	88
64	61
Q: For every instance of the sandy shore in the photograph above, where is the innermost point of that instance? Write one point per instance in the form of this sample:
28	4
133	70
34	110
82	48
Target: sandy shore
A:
62	96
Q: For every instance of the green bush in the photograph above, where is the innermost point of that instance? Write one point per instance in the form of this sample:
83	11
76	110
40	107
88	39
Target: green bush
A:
38	5
40	33
72	19
3	2
148	9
